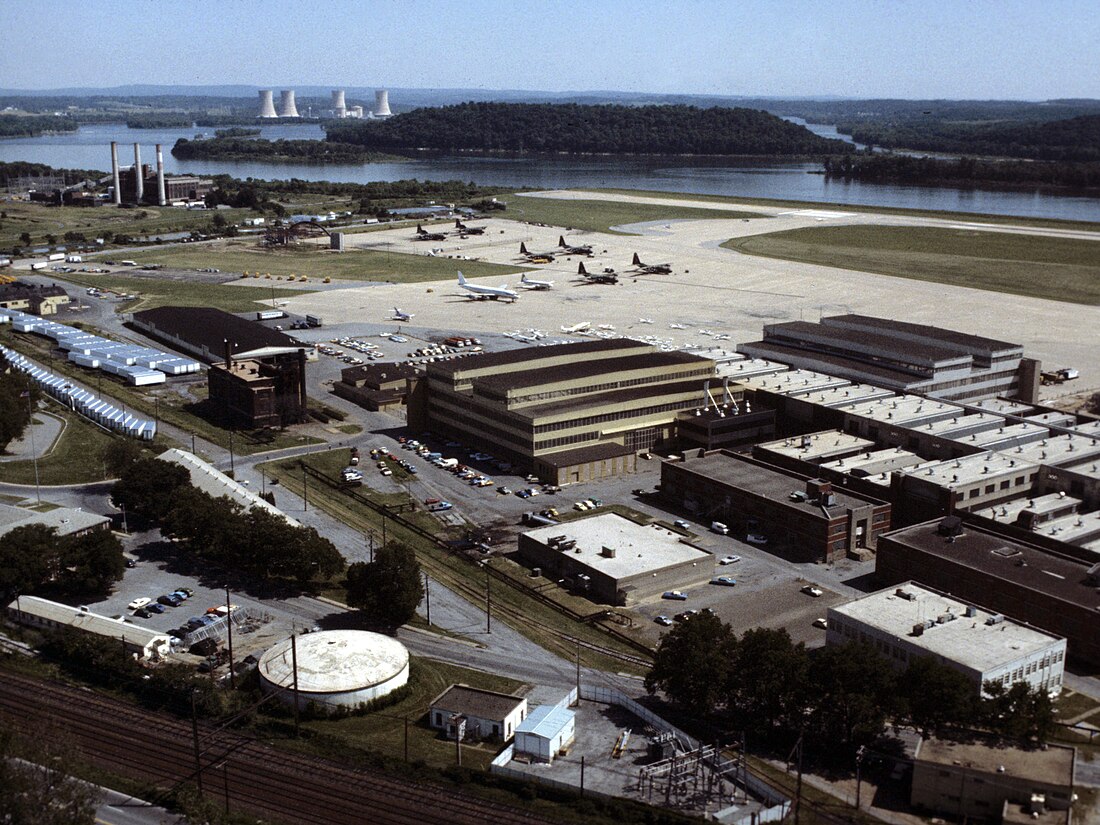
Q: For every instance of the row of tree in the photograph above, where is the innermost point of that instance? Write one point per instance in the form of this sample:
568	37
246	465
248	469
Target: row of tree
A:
32	125
839	698
26	169
34	560
221	531
18	398
239	148
544	127
928	171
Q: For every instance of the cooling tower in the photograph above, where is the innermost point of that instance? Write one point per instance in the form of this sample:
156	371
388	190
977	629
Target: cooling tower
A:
161	199
287	107
339	105
139	181
382	103
117	197
267	105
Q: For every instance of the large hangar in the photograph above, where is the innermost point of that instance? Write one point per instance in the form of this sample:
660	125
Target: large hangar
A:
336	668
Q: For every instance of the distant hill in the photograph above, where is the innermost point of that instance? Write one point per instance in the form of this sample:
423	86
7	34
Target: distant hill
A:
614	129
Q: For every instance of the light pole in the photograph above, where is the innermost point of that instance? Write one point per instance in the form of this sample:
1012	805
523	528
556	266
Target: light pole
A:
34	451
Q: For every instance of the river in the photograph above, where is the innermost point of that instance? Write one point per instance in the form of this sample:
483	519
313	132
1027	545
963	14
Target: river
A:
88	148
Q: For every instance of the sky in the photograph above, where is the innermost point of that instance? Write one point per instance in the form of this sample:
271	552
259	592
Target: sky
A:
976	49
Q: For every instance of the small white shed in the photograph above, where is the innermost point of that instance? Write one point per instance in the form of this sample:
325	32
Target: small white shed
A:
545	731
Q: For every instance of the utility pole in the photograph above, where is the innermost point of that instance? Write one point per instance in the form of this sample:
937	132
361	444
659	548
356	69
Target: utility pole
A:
578	672
232	466
488	605
294	665
406	737
225	780
125	528
192	443
195	742
798	787
458	745
34	450
428	599
859	772
229	626
305	489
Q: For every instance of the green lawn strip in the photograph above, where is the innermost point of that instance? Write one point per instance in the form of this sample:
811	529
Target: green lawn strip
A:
1071	704
315	263
141	400
158	291
600	215
1014	220
383	730
76	458
454	572
1060	269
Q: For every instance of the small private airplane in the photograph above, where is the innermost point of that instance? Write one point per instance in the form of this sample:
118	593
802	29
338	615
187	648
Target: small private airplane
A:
583	326
468	230
650	269
398	315
535	257
424	235
532	283
608	276
480	293
585	249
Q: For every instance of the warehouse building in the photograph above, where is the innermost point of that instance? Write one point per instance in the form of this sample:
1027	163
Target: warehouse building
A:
204	332
613	560
798	453
140	642
549	730
32	298
802	518
569	412
465	712
912	621
1048	590
65	520
215	483
906	358
377	387
988	780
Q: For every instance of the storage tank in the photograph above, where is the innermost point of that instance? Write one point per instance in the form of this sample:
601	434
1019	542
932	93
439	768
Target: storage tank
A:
336	668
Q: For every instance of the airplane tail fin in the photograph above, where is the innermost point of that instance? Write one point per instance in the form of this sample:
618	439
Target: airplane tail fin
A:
523	278
580	269
461	278
458	223
419	229
637	261
561	241
522	248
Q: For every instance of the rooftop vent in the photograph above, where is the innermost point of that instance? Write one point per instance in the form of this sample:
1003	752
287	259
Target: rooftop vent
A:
996	618
902	593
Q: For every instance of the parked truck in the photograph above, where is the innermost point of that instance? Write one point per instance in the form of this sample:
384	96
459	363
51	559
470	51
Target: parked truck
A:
57	256
269	314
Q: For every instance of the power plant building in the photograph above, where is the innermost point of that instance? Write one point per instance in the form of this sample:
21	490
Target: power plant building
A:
141	184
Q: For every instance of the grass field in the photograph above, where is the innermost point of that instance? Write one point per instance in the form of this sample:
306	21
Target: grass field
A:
1015	220
1059	269
600	215
76	457
159	291
315	263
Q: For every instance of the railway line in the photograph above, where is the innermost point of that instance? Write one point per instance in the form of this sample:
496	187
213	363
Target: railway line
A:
250	775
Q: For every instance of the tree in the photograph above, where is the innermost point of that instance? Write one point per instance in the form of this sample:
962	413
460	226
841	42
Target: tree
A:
766	689
16	409
120	454
854	691
25	237
389	589
1020	712
91	563
29	558
937	696
36	787
147	487
692	663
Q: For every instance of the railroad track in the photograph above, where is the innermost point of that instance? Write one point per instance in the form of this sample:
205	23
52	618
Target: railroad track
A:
277	785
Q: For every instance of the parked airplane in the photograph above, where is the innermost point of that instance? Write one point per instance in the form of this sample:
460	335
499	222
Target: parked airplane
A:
423	235
535	257
491	292
398	315
576	328
468	230
651	269
532	283
608	276
574	250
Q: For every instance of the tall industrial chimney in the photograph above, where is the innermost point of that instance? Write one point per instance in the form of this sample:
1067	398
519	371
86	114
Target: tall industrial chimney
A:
114	173
382	103
339	105
139	178
162	200
287	107
267	105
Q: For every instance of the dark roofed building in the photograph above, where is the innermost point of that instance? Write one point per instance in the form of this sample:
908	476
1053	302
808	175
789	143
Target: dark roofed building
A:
376	386
903	357
468	712
40	300
204	332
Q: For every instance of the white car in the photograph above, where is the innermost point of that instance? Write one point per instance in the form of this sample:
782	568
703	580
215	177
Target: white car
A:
139	603
729	560
821	623
810	590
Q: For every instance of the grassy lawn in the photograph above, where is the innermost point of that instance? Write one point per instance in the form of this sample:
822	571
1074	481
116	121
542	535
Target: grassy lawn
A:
314	263
539	622
384	730
1013	220
1059	269
1071	704
600	216
160	291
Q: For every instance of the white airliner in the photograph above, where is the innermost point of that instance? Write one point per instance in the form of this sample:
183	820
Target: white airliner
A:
398	315
532	283
581	327
490	292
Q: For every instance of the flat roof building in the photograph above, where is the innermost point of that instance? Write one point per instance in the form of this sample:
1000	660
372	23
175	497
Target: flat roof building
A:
66	520
376	386
545	732
215	483
903	357
813	448
205	332
613	560
140	642
802	518
973	563
911	621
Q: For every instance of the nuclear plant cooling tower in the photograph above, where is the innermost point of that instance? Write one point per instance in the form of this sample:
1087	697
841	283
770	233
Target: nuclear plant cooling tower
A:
287	107
382	103
267	105
339	105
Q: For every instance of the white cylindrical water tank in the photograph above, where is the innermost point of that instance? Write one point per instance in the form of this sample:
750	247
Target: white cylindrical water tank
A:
267	104
287	107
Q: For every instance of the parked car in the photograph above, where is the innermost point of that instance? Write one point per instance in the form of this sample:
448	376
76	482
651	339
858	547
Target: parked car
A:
142	613
727	581
675	595
186	590
687	614
139	602
810	590
182	594
729	559
153	607
664	621
821	623
131	563
170	600
756	538
441	505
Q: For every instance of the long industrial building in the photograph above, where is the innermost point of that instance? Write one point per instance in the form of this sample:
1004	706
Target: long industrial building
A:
907	358
569	412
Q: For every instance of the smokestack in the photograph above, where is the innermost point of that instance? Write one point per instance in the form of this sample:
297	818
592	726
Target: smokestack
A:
114	173
267	105
287	107
339	105
161	199
139	178
382	103
228	355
